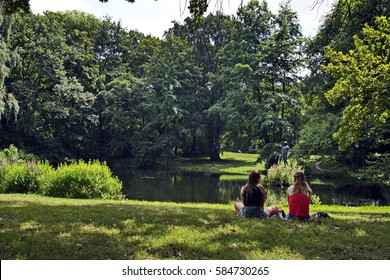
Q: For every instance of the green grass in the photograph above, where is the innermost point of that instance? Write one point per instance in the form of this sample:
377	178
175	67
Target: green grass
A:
36	227
233	166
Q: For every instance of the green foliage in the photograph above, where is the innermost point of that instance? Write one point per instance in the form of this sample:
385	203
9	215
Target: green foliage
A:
20	174
270	154
22	177
377	168
281	176
315	199
9	7
363	76
83	180
277	199
316	137
122	113
198	8
18	171
13	154
73	85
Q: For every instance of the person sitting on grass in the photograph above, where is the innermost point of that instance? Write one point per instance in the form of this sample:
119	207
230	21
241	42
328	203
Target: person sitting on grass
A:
299	195
253	197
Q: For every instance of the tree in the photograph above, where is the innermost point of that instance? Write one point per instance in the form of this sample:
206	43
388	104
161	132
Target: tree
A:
56	112
171	90
316	136
9	107
243	75
282	61
206	37
362	82
123	114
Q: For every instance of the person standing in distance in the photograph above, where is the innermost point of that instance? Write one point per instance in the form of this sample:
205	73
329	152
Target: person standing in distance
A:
285	151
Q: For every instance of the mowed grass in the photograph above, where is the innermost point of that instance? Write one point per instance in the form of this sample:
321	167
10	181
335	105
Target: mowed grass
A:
232	165
36	227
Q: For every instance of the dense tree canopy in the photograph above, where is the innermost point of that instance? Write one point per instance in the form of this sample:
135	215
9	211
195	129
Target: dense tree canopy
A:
363	79
73	85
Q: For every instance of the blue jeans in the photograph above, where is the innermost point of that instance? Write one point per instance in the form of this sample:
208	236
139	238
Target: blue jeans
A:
253	212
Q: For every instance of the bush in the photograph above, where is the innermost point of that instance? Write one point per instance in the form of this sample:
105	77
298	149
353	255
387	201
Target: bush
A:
83	180
13	154
22	177
281	176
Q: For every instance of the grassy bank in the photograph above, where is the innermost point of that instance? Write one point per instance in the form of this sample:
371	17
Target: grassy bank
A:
232	165
36	227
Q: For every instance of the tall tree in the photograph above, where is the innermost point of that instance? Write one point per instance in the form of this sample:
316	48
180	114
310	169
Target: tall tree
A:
123	114
346	19
171	87
240	75
51	99
207	37
362	82
282	61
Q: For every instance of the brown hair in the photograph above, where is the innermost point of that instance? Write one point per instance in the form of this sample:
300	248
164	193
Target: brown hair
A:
253	182
300	184
254	178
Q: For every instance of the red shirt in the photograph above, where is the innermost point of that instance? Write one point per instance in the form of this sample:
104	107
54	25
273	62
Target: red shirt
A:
298	204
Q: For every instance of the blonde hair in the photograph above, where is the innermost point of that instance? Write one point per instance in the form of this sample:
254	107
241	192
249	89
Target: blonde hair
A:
301	185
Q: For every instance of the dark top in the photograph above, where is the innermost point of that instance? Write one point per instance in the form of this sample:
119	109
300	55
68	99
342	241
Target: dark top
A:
254	197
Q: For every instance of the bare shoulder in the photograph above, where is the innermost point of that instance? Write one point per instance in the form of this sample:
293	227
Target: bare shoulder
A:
290	190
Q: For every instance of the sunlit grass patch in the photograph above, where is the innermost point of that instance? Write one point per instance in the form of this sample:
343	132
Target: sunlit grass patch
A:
231	163
54	228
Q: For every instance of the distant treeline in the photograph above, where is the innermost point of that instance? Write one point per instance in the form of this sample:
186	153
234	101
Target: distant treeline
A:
75	86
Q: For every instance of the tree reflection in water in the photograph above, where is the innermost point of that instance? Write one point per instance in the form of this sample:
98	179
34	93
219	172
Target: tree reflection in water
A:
155	185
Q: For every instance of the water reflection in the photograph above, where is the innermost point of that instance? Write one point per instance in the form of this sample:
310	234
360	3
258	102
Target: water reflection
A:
366	192
197	187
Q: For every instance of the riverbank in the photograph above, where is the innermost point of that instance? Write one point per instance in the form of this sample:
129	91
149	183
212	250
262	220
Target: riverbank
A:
36	227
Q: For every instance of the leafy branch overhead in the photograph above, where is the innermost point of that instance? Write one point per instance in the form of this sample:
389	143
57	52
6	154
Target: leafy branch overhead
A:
363	76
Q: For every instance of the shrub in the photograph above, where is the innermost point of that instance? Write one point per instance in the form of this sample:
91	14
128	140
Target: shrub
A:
83	180
2	175
22	177
13	154
315	199
280	176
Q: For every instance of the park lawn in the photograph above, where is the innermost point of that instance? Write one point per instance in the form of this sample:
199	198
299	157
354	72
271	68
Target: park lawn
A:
37	227
232	165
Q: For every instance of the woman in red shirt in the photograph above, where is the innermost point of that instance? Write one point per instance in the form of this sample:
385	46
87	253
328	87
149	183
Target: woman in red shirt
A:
299	195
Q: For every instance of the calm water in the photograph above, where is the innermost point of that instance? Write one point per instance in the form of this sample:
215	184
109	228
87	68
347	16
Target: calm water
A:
196	187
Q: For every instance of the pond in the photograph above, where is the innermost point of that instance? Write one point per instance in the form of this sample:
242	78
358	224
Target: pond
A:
155	185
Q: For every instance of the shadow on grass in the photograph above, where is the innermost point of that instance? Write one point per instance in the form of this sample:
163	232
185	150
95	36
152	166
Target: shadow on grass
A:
31	230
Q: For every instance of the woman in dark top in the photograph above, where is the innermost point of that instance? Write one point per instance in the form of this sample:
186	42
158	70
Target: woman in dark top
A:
253	197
